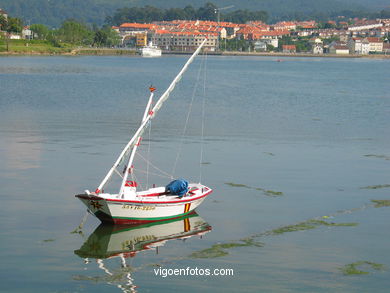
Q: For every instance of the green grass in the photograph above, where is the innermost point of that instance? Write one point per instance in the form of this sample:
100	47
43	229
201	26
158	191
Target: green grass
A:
33	47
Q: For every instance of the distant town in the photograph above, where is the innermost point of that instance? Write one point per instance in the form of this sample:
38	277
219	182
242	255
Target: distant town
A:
342	37
356	36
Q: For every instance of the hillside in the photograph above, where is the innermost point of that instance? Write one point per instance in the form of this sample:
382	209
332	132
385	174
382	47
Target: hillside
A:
53	12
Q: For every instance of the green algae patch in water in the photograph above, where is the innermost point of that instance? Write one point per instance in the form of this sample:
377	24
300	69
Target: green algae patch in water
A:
265	191
379	203
220	249
353	268
308	225
270	192
378	156
48	240
237	185
376	186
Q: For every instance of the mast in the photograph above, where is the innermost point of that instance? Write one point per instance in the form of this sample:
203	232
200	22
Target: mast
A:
148	115
133	151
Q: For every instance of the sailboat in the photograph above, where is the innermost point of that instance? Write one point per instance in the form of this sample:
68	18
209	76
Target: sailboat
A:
132	206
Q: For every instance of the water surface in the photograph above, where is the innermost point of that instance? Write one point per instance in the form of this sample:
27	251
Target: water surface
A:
312	132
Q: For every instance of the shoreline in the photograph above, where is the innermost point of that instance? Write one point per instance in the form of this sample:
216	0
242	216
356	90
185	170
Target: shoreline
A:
127	52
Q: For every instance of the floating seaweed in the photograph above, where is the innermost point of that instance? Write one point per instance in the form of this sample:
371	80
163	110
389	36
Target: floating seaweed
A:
219	249
378	156
309	224
48	240
353	268
376	186
381	203
269	192
237	185
265	191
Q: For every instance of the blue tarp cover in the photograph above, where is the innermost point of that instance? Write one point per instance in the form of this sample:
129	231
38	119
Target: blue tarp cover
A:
178	187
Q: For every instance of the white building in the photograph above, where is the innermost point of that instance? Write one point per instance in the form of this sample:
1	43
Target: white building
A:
339	49
376	45
366	26
184	41
318	46
359	46
260	46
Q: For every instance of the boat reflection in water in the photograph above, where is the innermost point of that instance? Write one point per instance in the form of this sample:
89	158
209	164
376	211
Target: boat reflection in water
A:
124	241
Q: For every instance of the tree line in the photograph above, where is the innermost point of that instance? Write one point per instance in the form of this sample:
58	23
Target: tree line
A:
70	32
209	11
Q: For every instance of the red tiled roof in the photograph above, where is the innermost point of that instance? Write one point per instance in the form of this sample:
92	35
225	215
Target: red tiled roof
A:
138	25
374	40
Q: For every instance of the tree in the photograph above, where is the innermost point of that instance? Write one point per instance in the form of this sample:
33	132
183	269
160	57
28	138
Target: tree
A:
15	25
10	25
40	31
106	37
74	32
207	12
190	12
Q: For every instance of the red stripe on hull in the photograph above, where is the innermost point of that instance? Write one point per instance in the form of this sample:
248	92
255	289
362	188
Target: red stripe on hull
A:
160	202
140	222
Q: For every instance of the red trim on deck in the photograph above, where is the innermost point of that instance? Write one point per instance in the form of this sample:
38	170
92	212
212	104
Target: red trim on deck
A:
160	202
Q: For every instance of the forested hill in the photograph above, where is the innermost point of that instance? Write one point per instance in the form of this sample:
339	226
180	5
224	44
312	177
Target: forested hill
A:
54	12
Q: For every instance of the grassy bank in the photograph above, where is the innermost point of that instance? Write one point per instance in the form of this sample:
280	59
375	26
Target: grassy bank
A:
103	52
37	47
33	47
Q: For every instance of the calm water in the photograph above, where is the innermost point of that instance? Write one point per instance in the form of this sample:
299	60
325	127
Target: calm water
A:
285	143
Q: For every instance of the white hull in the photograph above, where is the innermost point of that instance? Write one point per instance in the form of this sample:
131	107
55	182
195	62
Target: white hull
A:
113	240
143	207
150	52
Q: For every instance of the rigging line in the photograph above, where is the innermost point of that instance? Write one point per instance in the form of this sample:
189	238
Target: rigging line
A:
203	116
187	119
155	167
154	174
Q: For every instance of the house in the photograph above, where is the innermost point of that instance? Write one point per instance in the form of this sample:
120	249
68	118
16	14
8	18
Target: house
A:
318	46
27	33
184	41
365	25
285	25
260	46
274	42
339	49
289	49
359	46
135	28
141	40
375	44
